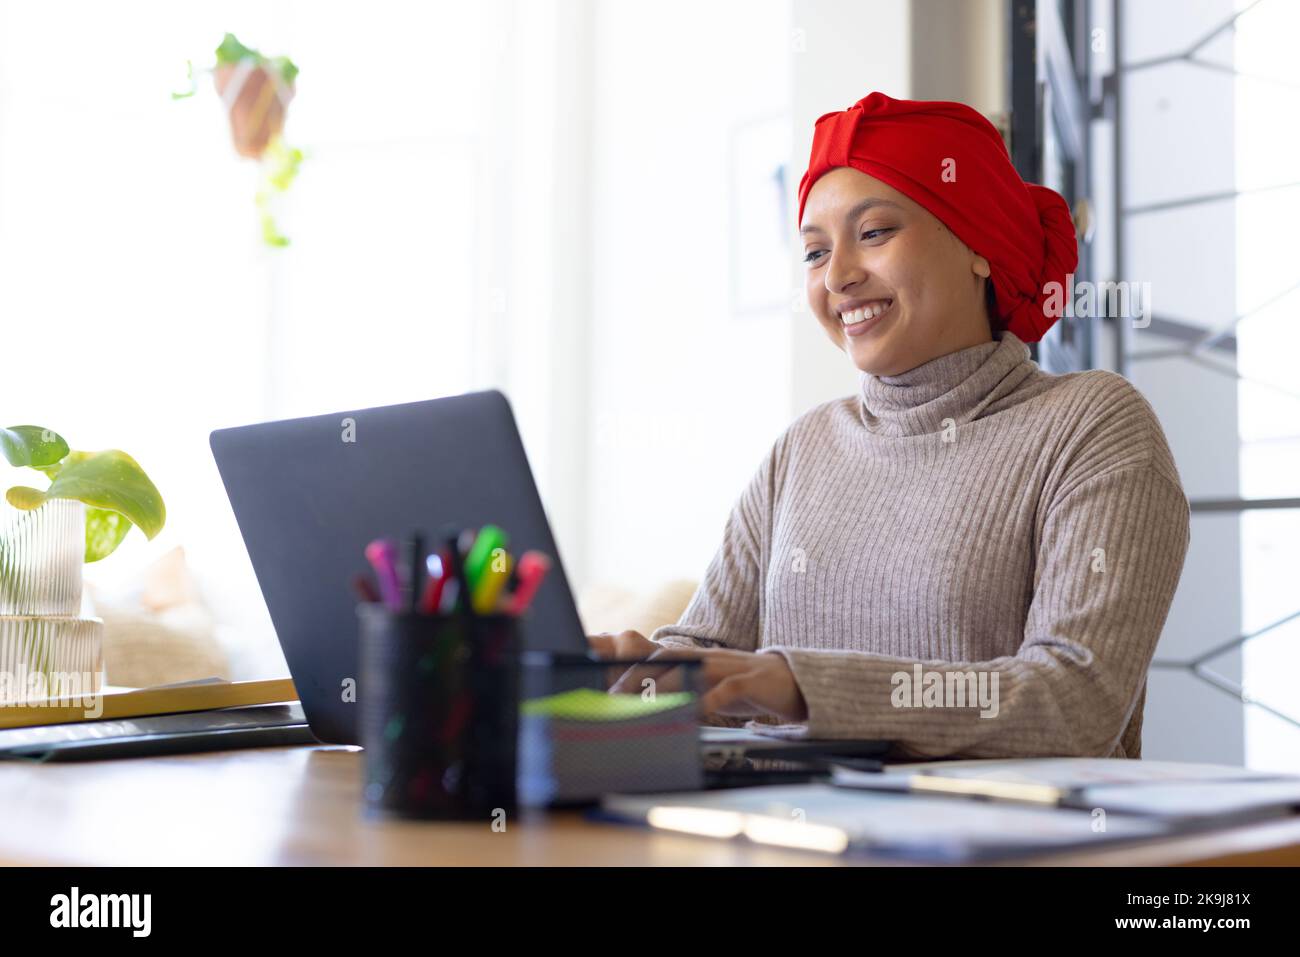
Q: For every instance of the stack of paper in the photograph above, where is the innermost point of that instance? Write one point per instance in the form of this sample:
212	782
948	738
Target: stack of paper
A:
578	745
820	817
1177	793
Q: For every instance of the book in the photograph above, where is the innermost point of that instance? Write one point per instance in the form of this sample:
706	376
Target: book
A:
116	702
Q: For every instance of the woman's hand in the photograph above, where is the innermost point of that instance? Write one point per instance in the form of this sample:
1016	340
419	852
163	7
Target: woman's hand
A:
737	683
626	644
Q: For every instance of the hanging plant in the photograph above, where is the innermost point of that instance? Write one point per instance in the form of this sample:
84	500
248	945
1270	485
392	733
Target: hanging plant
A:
256	91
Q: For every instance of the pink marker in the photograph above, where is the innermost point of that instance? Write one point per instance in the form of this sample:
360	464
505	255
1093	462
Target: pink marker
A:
382	555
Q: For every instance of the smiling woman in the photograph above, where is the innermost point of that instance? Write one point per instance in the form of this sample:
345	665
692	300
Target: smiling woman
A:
967	518
911	289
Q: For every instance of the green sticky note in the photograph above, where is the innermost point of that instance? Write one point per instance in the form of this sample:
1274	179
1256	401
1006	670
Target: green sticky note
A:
588	704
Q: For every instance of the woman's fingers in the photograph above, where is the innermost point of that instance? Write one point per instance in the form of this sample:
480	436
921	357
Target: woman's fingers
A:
660	668
730	696
750	684
662	677
730	682
626	644
601	645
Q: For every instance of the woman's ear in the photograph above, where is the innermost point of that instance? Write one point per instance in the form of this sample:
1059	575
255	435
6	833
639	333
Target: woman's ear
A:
980	266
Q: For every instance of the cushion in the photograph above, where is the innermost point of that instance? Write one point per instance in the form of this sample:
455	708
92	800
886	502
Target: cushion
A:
158	631
614	608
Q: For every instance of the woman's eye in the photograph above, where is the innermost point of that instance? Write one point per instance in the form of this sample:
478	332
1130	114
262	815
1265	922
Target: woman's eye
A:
869	234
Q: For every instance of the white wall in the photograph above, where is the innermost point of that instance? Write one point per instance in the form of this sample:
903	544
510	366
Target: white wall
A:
959	52
845	50
908	49
685	397
538	265
667	358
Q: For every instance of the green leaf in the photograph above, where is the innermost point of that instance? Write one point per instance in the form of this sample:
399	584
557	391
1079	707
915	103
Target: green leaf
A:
280	164
194	85
104	532
232	51
109	480
287	69
32	446
20	496
271	234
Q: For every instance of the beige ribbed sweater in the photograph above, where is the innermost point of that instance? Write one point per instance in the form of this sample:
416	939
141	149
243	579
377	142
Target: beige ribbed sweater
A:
973	515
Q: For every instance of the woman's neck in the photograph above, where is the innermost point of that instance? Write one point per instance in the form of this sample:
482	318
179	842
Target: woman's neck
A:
949	389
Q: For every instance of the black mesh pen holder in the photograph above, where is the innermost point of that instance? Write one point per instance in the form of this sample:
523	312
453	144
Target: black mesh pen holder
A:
577	741
439	698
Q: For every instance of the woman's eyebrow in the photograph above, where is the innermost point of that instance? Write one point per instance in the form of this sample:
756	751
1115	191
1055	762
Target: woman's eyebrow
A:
853	213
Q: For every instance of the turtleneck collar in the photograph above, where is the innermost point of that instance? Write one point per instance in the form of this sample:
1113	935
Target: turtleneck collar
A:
957	386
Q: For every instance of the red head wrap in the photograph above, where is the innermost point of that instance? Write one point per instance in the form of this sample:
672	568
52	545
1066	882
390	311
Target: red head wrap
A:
951	160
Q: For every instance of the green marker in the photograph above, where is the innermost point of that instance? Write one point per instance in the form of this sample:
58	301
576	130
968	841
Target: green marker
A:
488	540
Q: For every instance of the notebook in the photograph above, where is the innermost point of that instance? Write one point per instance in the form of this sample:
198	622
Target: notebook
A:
115	702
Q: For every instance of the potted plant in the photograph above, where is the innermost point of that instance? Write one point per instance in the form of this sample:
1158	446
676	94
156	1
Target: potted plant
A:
46	536
256	91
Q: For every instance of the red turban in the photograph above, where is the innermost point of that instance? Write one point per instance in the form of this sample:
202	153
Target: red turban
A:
951	160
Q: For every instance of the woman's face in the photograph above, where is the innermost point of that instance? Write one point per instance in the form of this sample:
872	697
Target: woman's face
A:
867	245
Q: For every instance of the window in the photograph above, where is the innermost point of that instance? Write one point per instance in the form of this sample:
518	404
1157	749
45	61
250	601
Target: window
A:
140	307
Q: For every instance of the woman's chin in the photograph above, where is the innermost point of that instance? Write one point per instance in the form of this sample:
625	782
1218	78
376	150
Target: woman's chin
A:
871	352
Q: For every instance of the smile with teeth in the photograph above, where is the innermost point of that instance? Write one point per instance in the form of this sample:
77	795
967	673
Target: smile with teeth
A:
862	315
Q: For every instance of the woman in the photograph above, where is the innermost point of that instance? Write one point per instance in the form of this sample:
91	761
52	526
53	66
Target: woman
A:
972	557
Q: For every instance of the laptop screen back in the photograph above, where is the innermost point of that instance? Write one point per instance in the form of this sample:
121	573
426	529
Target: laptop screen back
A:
310	493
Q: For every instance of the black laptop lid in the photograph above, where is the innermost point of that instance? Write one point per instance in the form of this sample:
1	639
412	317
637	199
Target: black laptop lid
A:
310	493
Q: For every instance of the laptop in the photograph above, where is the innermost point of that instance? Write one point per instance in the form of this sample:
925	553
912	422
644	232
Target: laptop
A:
309	493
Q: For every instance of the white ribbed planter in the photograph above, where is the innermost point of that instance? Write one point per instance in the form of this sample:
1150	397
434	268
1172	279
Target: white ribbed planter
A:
46	647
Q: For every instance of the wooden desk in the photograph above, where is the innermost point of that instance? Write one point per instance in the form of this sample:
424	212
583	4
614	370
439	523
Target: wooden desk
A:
301	805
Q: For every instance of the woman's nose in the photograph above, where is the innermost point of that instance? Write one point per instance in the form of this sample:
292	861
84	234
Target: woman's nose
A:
843	273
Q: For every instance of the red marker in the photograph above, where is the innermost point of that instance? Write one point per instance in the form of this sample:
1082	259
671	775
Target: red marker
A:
533	567
432	596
